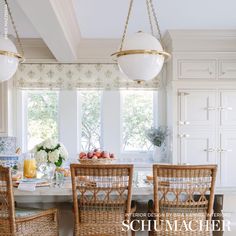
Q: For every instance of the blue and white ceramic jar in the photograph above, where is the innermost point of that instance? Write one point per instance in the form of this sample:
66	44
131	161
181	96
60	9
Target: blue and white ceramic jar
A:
7	145
8	157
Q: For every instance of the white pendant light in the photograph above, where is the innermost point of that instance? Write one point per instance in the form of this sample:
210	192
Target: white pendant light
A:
141	56
8	63
9	57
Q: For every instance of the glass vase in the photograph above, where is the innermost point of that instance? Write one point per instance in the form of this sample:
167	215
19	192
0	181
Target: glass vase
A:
48	171
160	154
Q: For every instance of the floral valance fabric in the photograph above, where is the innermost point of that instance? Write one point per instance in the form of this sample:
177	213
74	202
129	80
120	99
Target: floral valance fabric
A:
76	76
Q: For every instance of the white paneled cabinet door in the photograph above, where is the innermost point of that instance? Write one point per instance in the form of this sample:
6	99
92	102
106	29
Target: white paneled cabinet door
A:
197	69
227	158
227	108
227	69
197	147
197	107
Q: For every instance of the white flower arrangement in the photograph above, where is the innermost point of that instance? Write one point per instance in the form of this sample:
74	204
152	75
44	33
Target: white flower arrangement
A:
50	151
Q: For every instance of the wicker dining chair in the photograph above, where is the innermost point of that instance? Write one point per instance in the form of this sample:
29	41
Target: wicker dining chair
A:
102	199
180	197
22	221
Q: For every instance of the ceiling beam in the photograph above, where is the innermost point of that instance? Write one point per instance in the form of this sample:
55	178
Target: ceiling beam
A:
56	22
100	50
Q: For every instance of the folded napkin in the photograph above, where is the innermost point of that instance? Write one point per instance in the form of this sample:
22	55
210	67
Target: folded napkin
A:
27	186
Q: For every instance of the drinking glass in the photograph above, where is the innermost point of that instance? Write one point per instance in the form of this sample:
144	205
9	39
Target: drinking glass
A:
30	169
59	178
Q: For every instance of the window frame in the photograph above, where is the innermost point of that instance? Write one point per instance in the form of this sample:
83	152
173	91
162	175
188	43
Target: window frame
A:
111	137
154	124
79	108
22	116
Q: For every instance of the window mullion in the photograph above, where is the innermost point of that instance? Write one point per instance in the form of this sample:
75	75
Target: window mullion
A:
111	115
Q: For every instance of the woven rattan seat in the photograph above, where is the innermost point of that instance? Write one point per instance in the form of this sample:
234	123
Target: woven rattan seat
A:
102	198
27	212
180	197
23	222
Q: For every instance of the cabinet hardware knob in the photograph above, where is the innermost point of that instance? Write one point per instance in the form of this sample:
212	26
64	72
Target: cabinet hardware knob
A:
224	150
183	122
184	135
209	150
211	108
183	93
223	72
225	108
210	72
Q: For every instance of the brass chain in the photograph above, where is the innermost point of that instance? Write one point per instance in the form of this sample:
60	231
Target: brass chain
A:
151	13
2	18
5	32
14	27
126	25
149	16
156	21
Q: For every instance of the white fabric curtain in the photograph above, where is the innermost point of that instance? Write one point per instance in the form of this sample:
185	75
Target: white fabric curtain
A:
77	76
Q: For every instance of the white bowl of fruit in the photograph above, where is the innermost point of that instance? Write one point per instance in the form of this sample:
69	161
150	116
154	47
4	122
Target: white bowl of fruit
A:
96	157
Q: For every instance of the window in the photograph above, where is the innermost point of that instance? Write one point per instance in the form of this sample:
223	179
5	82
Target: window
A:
42	116
90	120
115	121
137	117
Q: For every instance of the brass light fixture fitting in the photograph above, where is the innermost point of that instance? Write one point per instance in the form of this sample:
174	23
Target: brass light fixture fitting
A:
141	56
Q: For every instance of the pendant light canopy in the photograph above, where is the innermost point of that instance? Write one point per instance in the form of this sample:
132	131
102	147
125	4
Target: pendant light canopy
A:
141	56
9	57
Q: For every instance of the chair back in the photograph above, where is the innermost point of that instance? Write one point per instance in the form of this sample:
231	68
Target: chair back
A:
180	192
7	208
101	193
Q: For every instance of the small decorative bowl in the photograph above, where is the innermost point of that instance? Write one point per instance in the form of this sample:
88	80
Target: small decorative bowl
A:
9	160
100	161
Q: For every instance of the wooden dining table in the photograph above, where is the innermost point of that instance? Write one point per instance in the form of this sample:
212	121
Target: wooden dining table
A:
141	191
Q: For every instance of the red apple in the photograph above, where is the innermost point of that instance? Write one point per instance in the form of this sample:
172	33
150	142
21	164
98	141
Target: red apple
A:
106	155
82	154
98	154
112	155
90	155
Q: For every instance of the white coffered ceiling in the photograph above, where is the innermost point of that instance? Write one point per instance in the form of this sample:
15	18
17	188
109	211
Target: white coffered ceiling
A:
105	18
23	24
71	26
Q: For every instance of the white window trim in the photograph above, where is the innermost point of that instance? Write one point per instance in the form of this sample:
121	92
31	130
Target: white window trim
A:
22	121
139	155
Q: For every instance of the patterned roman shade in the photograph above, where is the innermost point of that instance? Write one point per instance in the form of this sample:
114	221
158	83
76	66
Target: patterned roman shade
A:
76	76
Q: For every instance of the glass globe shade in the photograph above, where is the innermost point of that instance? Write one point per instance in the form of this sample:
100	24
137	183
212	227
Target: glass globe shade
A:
8	64
141	66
